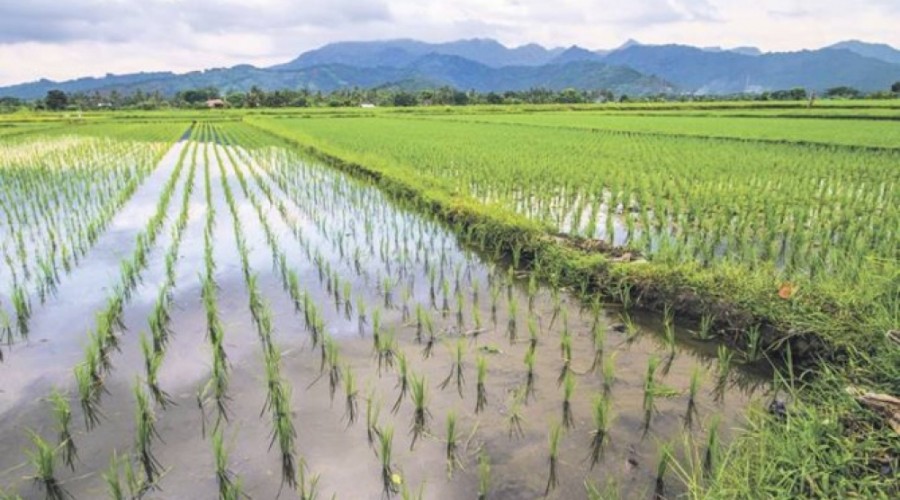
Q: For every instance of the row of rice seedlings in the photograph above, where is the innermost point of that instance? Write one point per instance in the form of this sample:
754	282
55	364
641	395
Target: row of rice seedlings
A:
306	486
159	319
278	391
217	386
329	349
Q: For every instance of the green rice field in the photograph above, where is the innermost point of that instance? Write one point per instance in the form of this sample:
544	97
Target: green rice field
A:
629	301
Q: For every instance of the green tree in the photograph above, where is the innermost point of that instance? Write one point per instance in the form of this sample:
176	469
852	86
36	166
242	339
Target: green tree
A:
895	88
404	99
569	96
843	91
56	100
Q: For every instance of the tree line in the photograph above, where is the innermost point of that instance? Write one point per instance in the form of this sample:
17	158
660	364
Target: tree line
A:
255	97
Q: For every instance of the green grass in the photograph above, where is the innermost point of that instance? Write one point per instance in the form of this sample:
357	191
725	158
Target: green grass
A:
847	132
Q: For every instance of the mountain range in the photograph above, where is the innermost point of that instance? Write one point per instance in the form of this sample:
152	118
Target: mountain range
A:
487	65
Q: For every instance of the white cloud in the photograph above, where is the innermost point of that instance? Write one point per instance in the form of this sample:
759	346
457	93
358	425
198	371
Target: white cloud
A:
67	39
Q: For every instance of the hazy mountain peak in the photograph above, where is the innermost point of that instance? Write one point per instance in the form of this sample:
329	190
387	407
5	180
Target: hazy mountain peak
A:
488	65
880	51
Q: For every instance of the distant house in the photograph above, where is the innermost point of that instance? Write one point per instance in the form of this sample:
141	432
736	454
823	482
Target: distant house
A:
367	105
215	103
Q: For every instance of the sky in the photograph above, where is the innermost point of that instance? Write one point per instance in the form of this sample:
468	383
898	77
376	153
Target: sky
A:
64	39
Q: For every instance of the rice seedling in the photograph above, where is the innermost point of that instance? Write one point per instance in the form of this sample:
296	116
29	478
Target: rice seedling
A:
22	309
631	328
569	385
495	299
530	375
484	475
229	485
88	395
602	420
479	327
704	330
421	415
512	308
6	331
481	391
152	362
514	417
145	434
402	380
351	393
307	486
373	411
754	349
420	322
386	351
62	413
609	373
113	479
557	306
460	305
711	455
456	368
669	329
452	453
445	294
389	478
332	355
723	369
565	348
553	458
42	460
650	390
598	338
430	341
692	397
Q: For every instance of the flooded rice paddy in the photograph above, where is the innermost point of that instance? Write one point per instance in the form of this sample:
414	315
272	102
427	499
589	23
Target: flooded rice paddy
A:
336	340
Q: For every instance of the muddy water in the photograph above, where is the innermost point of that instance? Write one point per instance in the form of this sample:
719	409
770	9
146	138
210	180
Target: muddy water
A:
364	238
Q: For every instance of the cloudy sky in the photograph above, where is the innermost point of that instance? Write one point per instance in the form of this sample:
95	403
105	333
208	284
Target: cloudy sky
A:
61	39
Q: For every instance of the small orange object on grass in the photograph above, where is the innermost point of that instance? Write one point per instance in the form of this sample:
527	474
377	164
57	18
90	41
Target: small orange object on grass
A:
787	290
